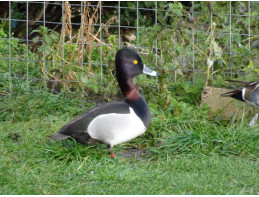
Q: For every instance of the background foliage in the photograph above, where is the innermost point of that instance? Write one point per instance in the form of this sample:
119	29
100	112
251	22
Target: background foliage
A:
182	39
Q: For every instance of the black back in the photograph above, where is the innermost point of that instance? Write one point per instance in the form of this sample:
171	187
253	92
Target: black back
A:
142	110
238	95
81	123
77	127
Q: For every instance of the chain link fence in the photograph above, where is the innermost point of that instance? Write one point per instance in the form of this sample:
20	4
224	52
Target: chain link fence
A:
70	46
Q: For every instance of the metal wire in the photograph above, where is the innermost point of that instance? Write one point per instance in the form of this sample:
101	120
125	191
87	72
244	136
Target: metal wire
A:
230	38
193	42
63	43
44	54
82	42
27	44
195	31
137	27
249	26
10	50
211	40
101	50
156	41
119	25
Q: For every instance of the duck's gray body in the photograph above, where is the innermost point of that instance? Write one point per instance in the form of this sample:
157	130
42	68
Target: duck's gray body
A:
251	95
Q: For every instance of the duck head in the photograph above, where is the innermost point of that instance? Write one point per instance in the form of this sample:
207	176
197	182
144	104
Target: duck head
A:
128	65
248	94
236	94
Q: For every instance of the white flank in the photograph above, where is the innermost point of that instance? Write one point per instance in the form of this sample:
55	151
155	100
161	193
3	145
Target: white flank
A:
255	100
243	94
116	128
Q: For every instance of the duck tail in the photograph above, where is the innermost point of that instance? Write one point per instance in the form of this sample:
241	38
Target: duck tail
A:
59	136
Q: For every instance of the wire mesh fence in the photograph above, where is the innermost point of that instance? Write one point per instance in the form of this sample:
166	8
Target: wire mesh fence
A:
69	46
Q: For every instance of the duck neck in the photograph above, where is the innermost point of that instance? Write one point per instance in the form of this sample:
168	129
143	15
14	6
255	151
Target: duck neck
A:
128	88
238	95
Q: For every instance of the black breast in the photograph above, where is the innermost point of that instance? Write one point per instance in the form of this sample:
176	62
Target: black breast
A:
142	110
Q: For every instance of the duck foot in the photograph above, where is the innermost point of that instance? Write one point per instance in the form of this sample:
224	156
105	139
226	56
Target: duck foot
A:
253	120
112	154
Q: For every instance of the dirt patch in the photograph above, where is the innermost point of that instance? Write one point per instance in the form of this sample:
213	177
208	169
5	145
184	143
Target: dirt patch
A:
132	153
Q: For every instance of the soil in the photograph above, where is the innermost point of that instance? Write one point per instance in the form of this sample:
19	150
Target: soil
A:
133	152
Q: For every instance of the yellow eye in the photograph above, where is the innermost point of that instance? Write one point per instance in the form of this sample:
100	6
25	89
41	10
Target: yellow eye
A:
135	62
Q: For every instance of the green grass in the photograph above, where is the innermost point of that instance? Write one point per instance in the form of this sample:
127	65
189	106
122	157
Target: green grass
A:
182	155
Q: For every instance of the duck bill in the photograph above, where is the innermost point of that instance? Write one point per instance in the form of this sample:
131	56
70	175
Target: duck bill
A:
148	71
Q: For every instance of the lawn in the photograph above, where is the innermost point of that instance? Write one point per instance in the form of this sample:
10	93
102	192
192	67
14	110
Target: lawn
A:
175	156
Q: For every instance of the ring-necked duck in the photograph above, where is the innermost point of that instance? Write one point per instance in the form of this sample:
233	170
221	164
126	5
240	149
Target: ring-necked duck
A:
114	122
249	94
